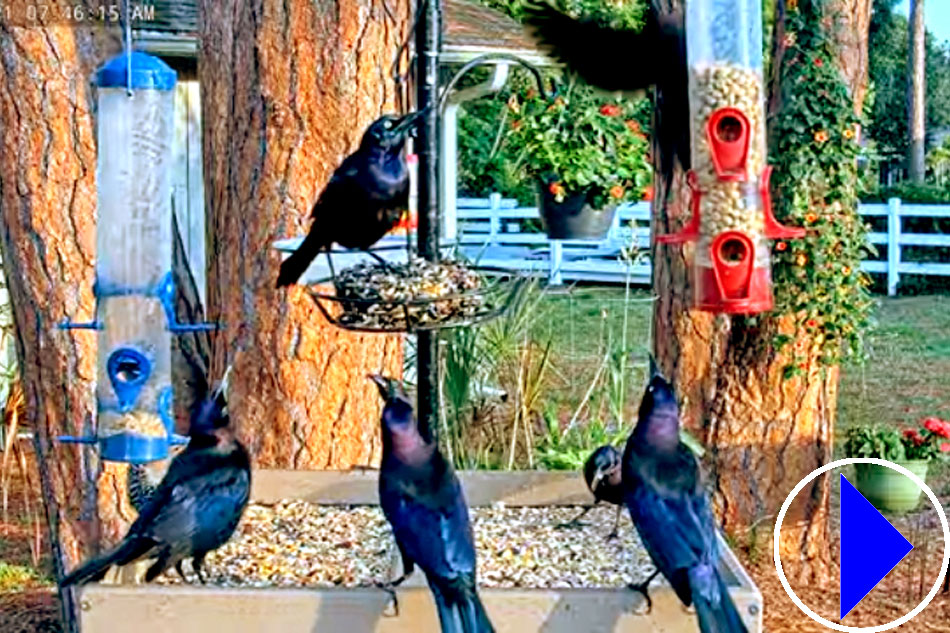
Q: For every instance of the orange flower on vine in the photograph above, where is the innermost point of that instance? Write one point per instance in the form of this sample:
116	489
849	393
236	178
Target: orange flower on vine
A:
801	259
811	218
616	191
781	246
821	136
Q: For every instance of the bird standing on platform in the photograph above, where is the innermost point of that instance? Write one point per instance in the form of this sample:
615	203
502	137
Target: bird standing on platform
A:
628	61
365	198
602	474
196	507
423	501
664	493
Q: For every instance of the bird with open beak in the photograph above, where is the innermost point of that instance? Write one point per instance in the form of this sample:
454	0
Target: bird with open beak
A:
422	499
365	198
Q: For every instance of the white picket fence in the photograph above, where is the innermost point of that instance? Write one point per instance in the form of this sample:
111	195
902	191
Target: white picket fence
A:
492	231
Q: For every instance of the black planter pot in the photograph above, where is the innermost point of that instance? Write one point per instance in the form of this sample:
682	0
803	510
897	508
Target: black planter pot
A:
574	218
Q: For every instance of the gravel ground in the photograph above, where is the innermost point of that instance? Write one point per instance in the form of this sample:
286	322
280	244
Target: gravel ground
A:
300	544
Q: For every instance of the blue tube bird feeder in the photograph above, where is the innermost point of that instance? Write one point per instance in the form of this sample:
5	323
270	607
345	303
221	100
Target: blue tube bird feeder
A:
135	293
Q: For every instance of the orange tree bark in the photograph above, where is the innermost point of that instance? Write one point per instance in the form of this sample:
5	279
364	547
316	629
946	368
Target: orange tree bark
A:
764	432
48	202
287	90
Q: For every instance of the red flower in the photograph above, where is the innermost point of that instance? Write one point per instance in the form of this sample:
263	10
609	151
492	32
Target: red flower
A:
819	62
937	426
648	193
812	323
910	433
945	447
631	124
919	440
616	191
610	109
556	189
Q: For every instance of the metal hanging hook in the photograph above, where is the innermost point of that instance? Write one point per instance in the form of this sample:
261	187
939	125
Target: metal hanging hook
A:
483	59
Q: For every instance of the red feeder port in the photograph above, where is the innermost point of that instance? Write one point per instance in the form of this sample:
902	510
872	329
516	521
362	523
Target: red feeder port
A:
733	284
773	229
690	232
727	132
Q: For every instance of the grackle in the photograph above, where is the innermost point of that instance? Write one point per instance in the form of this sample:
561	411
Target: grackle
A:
196	507
664	493
627	60
602	474
422	499
365	198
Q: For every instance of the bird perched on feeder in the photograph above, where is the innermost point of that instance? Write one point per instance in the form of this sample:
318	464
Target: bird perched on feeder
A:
628	61
664	493
365	198
196	507
602	474
423	501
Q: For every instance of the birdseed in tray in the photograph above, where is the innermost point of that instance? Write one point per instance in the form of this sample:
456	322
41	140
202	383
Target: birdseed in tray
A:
401	296
296	544
141	422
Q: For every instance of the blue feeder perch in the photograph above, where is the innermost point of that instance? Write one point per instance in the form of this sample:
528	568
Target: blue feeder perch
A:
135	290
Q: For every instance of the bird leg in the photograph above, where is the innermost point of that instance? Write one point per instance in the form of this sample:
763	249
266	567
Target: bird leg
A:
575	523
181	572
390	587
641	588
196	564
382	262
616	531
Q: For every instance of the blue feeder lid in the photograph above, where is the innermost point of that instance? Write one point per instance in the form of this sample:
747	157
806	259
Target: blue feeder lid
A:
148	73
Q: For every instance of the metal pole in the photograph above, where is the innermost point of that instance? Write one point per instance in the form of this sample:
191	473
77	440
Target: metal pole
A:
428	41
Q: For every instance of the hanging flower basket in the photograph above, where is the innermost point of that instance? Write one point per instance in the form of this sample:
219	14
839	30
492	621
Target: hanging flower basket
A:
889	490
573	218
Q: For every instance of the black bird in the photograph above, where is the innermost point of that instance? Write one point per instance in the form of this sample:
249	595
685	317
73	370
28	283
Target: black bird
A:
664	493
195	508
365	198
627	60
423	501
602	474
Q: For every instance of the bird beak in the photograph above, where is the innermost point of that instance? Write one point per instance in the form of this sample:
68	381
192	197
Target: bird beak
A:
598	477
384	384
655	369
408	122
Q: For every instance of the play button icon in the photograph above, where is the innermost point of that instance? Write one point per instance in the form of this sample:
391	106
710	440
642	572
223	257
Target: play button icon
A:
870	547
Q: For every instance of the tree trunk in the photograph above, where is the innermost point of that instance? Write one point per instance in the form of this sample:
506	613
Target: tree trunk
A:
917	92
764	433
48	205
287	91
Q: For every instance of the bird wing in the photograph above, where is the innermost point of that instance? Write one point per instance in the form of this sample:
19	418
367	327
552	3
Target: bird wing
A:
609	58
202	496
672	515
341	187
431	523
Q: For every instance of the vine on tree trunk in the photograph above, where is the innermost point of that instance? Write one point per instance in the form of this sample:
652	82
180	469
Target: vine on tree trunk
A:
815	138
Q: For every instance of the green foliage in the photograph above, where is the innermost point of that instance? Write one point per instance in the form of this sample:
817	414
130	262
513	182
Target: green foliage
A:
581	142
928	442
815	149
15	577
618	14
911	193
888	46
569	448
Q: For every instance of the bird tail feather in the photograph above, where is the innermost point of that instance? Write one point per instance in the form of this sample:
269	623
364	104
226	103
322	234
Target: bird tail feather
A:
294	266
95	569
715	609
460	609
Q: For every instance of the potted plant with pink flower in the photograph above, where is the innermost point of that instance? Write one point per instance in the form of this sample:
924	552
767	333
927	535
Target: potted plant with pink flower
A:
913	448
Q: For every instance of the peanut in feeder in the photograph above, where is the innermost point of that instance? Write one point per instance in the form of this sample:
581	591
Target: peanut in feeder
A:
135	313
730	202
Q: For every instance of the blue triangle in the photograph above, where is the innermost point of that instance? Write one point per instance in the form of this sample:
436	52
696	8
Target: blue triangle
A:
870	547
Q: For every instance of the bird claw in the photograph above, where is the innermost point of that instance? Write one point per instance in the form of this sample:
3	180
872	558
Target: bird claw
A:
392	609
574	524
612	536
641	588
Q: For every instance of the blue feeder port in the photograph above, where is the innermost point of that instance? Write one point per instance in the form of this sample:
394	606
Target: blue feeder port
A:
133	447
128	369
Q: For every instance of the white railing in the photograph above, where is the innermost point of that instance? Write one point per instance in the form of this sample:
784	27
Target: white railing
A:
493	231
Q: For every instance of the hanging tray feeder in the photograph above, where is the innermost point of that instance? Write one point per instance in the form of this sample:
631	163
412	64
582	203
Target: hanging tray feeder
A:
414	295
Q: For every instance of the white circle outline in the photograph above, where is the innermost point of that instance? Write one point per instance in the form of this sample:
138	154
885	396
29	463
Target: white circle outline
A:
861	629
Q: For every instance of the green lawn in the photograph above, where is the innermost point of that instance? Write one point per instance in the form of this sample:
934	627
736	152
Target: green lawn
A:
906	376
